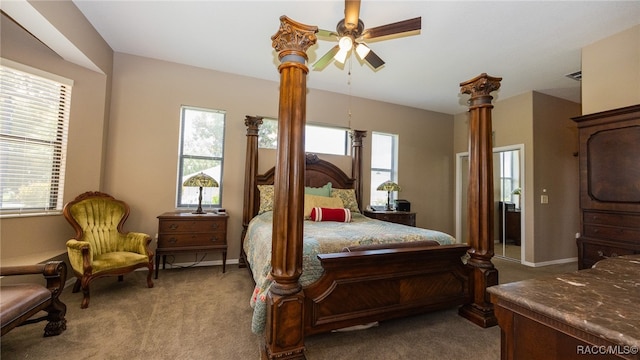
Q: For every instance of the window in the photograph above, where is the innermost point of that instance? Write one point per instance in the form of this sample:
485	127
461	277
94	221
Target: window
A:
34	122
384	165
318	139
201	150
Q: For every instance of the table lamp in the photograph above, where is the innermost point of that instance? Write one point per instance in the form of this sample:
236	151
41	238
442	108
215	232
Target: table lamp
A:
388	186
200	180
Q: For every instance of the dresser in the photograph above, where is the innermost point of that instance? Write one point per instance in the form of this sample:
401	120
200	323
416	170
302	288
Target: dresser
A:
398	217
185	232
609	184
588	314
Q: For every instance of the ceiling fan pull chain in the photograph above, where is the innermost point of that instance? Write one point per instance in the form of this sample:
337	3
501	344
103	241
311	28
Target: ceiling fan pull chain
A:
349	84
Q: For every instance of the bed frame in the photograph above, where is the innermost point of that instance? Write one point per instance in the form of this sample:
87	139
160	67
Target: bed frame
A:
370	284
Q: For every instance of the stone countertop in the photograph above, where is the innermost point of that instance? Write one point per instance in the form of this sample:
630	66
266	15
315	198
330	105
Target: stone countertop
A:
603	300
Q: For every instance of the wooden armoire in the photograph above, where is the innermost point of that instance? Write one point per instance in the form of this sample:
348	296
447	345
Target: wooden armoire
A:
609	184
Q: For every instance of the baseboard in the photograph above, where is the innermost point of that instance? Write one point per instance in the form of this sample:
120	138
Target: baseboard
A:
72	280
199	263
551	262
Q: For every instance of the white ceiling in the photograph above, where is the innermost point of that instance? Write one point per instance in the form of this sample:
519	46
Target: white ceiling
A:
531	45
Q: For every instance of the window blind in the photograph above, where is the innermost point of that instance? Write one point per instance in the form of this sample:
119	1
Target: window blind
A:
34	123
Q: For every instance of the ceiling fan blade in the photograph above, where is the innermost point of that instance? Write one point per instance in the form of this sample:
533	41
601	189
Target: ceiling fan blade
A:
393	28
373	60
351	14
326	33
326	58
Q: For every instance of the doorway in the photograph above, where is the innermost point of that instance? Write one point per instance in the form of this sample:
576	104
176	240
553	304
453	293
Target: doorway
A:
509	216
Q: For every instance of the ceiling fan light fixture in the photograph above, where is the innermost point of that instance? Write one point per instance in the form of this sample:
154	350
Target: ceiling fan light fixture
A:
345	43
341	56
362	50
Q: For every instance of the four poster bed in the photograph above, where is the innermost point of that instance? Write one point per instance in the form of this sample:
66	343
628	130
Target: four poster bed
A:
356	272
367	282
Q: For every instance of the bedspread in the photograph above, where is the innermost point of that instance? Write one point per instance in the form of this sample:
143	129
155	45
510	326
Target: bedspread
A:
320	238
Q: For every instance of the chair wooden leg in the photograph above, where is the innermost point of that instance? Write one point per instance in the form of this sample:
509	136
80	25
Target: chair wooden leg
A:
85	298
76	286
57	322
149	281
86	295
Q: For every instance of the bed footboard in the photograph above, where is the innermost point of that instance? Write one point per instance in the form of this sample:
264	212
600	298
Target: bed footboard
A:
360	287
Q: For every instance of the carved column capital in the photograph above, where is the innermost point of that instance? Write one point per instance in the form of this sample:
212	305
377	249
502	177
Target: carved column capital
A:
356	137
253	124
480	88
293	38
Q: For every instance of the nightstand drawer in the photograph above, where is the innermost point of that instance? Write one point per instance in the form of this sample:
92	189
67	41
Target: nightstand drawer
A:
195	239
177	226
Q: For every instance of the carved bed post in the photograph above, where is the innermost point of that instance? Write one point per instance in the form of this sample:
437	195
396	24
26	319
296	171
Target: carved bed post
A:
480	199
250	172
284	331
356	162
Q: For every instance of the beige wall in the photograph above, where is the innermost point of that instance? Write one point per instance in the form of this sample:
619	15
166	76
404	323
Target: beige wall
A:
555	174
142	149
42	237
542	124
611	72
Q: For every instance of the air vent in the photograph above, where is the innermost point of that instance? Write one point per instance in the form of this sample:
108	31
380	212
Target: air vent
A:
577	76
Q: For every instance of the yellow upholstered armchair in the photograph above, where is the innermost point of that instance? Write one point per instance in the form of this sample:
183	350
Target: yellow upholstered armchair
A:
100	246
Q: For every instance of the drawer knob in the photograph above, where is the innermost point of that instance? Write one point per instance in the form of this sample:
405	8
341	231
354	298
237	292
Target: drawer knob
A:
173	240
173	226
214	239
601	254
215	225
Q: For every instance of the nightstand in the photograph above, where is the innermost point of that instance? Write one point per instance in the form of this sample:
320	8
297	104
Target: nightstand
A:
398	217
185	232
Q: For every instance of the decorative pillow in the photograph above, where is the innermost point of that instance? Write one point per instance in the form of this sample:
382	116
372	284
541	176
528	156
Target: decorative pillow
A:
266	198
311	201
326	214
319	191
348	197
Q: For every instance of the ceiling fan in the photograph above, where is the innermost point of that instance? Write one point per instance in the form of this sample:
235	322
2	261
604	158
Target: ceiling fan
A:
350	33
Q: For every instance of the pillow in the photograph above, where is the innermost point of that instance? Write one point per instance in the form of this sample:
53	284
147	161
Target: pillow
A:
348	197
311	201
319	191
266	198
326	214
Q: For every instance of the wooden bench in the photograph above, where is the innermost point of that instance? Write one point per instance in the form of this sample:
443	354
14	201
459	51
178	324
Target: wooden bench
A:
19	302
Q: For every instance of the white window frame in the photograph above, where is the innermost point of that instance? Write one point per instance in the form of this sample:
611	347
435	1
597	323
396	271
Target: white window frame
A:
187	197
34	126
379	198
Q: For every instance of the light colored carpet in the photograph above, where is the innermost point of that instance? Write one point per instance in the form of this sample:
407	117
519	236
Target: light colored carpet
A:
201	313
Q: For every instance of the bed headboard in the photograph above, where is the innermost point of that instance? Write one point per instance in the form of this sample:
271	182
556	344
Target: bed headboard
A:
317	173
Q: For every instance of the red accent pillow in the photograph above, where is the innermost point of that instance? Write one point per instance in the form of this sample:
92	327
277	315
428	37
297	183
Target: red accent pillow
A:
326	214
